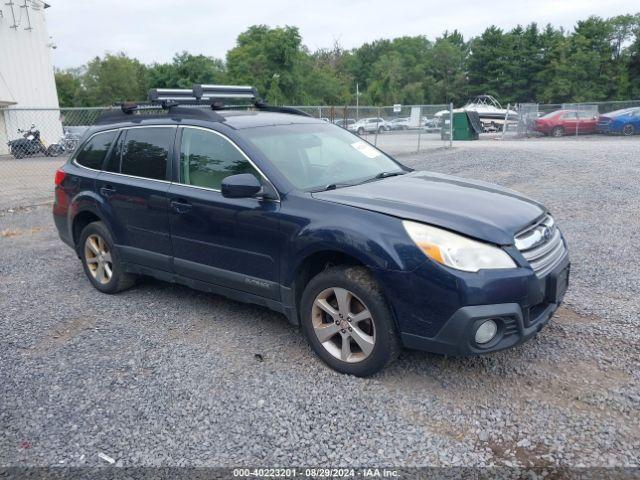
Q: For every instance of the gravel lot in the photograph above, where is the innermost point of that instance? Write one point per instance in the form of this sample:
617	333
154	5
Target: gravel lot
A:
162	375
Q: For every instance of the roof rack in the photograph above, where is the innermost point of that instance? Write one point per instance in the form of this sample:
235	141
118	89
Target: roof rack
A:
215	96
201	94
131	112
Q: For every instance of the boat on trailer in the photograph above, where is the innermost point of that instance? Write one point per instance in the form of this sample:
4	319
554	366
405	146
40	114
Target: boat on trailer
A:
492	115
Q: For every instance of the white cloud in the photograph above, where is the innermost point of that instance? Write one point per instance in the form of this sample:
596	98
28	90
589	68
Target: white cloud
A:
153	30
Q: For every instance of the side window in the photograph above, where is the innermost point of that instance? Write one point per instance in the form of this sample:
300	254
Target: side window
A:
113	161
145	152
94	151
206	158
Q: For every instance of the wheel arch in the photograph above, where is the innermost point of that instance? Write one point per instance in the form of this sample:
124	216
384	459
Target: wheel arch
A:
316	261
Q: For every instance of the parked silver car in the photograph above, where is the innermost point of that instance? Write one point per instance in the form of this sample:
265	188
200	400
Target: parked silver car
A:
369	125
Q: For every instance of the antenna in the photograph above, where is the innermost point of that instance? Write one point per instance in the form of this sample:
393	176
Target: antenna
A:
26	9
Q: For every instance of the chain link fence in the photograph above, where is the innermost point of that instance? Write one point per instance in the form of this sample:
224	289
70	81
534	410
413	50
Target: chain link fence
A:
572	119
35	142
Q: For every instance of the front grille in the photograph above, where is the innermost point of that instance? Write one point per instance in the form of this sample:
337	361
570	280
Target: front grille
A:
541	245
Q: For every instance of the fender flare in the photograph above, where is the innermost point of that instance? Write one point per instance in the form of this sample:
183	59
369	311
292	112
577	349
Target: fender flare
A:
86	202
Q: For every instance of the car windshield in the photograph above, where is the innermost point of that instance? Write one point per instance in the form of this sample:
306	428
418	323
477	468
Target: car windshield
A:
618	113
319	156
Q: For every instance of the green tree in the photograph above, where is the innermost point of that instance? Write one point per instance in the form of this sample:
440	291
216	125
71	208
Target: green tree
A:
69	86
185	70
326	77
448	80
270	59
114	78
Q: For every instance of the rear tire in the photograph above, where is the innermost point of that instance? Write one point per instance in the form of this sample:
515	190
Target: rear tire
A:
557	132
54	150
100	260
628	130
355	335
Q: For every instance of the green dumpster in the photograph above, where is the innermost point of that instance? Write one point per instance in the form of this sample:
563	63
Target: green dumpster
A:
466	125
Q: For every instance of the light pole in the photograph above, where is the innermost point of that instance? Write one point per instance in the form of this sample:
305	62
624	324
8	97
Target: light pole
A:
357	102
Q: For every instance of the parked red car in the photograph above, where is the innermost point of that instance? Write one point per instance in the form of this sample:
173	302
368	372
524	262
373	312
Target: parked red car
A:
566	122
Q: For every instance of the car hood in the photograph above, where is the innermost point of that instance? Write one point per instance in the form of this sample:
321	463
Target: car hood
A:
474	208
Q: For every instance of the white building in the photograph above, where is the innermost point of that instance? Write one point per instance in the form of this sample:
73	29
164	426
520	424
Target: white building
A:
26	72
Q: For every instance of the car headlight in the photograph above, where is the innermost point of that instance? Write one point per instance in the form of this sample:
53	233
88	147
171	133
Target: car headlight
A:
456	251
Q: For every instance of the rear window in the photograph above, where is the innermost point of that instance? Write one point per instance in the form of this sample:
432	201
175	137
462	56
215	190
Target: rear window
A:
550	114
145	152
93	152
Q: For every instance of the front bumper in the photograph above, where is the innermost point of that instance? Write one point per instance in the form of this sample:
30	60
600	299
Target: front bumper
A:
457	335
450	308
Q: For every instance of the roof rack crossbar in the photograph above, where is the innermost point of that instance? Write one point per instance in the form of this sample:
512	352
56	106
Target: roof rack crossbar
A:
214	95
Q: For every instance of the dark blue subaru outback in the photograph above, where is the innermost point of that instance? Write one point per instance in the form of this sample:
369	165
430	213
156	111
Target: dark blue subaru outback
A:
273	207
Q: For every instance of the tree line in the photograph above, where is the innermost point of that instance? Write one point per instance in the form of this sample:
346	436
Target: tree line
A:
598	60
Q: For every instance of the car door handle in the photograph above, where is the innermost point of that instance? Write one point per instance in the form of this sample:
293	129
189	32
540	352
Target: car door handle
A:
107	190
180	205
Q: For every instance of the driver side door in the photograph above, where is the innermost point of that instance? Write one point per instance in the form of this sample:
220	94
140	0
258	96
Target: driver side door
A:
230	242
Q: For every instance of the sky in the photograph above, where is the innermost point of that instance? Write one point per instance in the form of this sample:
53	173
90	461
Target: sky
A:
154	30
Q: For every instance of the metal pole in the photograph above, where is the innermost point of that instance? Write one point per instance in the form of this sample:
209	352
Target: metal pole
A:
506	117
419	127
450	125
375	140
357	102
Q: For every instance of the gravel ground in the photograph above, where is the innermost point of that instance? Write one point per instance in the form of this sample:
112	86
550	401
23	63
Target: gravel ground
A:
163	375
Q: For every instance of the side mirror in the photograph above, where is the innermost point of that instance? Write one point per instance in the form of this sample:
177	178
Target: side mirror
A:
243	185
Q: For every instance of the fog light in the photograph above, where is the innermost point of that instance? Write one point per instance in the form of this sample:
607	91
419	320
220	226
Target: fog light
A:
486	331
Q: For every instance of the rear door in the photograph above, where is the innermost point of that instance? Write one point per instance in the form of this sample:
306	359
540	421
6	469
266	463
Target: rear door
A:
134	187
231	242
587	122
570	122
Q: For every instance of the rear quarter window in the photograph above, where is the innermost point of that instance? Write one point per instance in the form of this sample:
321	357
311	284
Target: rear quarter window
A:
93	152
145	152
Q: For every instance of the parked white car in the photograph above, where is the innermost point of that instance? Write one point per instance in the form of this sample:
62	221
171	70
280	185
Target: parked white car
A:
401	123
369	125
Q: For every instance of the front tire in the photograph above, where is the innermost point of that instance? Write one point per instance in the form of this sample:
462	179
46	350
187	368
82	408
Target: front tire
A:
347	321
101	261
557	132
17	153
360	131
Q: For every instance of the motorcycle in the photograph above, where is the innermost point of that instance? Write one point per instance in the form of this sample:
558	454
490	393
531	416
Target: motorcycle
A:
32	144
68	142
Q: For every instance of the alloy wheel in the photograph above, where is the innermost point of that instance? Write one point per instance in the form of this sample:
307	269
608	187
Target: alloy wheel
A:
628	129
343	325
98	258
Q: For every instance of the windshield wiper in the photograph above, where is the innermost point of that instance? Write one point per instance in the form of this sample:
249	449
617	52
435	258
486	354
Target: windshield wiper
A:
382	175
333	186
388	174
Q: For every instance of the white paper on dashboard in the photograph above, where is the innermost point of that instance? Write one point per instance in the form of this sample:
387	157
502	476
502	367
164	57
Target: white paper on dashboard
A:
366	149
